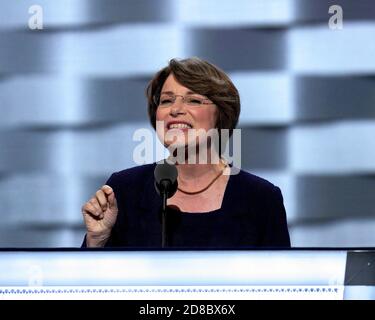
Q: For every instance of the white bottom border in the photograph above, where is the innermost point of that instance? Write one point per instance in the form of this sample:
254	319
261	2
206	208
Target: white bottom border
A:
329	292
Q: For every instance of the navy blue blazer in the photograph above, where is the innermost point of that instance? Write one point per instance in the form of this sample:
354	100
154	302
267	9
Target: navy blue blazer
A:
252	215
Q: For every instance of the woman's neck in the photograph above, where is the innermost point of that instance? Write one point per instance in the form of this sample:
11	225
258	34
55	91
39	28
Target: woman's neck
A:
192	170
188	172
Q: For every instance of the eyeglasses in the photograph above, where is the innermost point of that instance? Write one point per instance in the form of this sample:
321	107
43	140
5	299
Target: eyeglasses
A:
167	100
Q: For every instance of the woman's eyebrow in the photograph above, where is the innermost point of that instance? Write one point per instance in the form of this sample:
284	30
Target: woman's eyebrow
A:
171	92
167	92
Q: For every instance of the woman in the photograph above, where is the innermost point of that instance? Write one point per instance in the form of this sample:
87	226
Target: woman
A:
212	207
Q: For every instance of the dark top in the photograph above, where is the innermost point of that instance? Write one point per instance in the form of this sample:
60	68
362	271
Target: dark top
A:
252	215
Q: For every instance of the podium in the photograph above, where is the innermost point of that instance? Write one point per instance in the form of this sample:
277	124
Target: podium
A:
187	274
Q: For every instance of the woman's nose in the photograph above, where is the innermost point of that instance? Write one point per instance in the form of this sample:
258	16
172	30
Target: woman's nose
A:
177	106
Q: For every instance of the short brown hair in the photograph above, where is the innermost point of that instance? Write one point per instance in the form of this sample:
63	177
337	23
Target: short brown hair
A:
203	78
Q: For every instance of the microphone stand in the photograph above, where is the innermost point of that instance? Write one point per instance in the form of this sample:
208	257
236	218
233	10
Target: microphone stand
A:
164	239
165	186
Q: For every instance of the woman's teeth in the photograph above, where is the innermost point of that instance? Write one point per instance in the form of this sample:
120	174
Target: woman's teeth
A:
179	126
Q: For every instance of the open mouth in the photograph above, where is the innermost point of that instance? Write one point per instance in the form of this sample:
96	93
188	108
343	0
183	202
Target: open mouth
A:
180	126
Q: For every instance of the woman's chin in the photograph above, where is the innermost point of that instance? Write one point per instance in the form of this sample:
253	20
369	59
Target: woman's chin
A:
176	146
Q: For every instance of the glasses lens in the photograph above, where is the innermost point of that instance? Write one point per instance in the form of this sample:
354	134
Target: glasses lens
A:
191	100
194	100
166	100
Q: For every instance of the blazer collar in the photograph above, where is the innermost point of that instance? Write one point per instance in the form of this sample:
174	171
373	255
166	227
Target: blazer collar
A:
150	199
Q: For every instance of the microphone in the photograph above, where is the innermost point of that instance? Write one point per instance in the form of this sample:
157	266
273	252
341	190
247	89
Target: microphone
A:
166	179
166	186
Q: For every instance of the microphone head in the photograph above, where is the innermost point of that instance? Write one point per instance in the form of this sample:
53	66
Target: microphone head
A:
166	178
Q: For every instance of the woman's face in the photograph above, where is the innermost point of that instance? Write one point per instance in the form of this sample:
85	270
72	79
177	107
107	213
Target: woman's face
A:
175	114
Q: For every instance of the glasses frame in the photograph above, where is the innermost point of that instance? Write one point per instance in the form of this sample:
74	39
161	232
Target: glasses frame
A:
205	101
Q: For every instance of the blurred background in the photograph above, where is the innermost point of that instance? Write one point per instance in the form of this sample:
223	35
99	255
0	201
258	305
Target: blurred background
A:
72	95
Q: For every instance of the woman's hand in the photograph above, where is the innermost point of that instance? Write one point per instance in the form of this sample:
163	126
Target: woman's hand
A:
100	214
